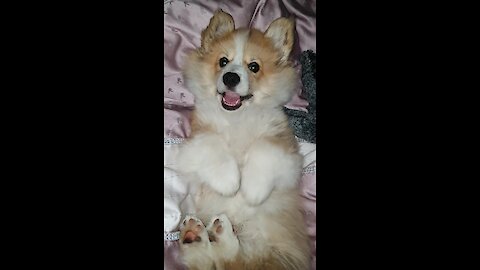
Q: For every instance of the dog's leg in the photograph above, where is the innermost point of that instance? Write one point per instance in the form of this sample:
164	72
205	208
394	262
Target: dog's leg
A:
225	244
206	156
194	244
268	166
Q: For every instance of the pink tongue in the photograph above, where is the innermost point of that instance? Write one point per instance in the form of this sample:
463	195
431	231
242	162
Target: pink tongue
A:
231	98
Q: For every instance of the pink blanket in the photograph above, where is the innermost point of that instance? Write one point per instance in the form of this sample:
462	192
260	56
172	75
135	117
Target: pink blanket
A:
184	21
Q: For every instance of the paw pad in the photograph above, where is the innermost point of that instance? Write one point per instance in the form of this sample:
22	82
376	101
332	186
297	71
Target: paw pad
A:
218	226
192	228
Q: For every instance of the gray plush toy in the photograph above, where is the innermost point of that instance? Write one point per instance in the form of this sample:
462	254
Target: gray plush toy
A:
304	124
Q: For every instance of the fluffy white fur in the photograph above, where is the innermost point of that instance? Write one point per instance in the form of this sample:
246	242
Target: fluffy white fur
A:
238	172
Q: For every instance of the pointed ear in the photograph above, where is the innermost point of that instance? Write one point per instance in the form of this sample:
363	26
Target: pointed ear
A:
220	24
281	32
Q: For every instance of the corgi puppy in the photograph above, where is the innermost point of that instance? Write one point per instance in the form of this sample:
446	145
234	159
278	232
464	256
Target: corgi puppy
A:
241	160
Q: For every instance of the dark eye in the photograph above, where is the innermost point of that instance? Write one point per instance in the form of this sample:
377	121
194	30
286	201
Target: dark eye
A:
254	67
223	61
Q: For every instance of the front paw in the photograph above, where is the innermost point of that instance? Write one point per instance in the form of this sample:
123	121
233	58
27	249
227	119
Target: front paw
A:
255	187
224	178
255	196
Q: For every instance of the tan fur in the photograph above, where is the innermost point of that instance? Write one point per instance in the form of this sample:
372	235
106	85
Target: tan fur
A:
253	143
198	127
285	138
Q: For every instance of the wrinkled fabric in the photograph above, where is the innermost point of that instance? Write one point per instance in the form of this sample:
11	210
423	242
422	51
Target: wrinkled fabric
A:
184	21
176	122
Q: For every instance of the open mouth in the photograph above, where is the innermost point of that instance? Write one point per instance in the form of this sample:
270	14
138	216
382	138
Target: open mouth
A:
232	101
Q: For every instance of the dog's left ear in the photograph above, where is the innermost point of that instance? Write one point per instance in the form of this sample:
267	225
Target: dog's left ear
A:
281	32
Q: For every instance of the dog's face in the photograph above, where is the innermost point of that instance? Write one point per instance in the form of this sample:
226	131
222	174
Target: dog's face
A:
243	67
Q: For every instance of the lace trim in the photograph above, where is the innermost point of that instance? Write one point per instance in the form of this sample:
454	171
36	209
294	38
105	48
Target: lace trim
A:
309	170
175	236
172	140
171	236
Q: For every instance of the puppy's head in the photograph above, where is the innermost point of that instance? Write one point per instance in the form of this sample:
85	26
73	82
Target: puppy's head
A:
243	67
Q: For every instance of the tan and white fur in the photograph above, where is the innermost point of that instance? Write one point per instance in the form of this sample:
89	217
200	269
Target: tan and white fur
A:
243	164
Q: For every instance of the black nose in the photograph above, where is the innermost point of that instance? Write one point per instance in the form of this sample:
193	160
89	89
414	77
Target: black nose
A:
231	79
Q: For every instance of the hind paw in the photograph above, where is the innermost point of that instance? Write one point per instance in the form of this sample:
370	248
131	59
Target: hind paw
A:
220	229
224	178
222	238
192	230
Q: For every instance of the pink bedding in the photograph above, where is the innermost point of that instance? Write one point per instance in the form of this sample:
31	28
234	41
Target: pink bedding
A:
184	21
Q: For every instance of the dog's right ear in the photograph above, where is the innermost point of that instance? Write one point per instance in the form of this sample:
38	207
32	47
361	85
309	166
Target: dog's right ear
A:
220	24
